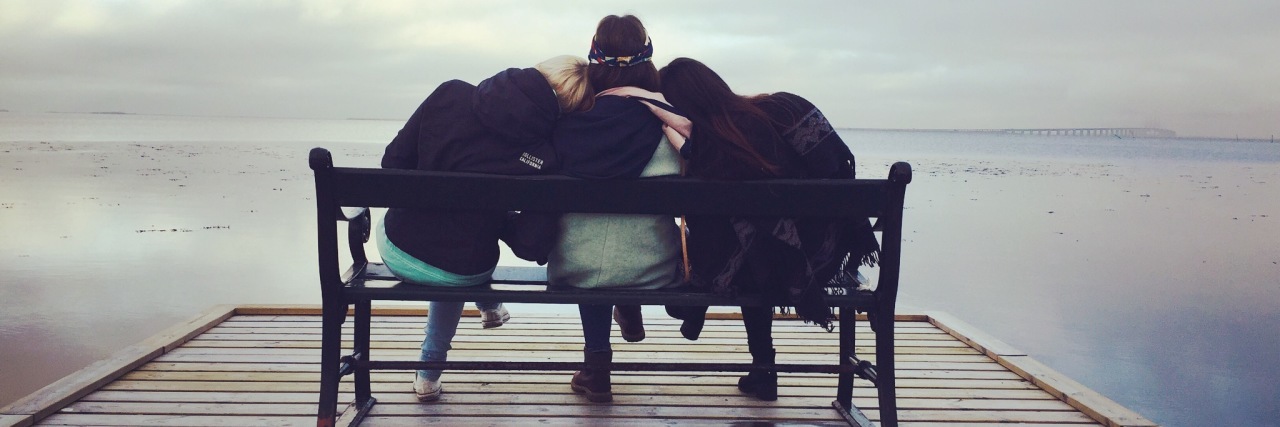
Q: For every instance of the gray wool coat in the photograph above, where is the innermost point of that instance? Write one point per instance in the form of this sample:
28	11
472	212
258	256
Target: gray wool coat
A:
596	251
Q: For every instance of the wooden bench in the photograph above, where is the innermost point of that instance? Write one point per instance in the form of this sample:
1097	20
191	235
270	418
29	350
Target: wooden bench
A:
346	194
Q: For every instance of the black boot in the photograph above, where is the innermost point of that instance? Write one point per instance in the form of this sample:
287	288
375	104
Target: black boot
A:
693	316
764	385
594	380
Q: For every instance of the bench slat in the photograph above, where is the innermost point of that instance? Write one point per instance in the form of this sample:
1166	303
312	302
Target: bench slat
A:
479	192
378	284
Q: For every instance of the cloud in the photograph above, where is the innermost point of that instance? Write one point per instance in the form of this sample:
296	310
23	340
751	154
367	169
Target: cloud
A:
1197	68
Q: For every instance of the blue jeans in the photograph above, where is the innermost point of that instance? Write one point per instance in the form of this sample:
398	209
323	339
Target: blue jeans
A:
442	325
442	320
597	323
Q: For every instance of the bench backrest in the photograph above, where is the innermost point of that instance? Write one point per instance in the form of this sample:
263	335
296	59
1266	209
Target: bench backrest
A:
338	187
453	191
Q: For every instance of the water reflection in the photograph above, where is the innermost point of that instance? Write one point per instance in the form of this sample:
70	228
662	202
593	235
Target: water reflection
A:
1143	271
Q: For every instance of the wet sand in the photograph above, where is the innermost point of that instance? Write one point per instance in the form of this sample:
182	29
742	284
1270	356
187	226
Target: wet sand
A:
1155	283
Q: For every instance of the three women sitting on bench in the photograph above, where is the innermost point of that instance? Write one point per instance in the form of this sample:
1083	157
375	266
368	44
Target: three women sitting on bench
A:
719	135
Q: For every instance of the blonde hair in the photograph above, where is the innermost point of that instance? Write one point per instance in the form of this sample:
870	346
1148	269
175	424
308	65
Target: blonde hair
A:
567	75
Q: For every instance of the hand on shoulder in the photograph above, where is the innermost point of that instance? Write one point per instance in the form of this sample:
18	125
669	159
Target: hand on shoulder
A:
632	91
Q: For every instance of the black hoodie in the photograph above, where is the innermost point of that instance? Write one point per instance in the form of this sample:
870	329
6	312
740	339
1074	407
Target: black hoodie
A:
503	126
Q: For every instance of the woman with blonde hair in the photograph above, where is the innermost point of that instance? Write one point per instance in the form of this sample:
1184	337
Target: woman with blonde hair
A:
501	126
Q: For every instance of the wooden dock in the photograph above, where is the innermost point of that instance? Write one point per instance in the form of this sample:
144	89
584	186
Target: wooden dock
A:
258	366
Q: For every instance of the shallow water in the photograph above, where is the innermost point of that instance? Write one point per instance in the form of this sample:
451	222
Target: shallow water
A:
1143	268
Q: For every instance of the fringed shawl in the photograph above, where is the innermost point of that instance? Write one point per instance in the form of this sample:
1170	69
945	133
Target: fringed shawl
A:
790	261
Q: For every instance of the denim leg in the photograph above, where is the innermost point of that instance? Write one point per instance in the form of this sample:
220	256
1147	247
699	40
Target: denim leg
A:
487	305
597	323
442	324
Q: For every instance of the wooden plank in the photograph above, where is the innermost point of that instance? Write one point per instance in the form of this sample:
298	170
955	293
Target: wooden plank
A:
783	351
14	420
1008	424
231	397
615	411
49	399
394	333
315	310
419	310
982	416
491	421
686	389
203	408
620	381
862	400
414	340
315	368
972	336
196	408
211	355
304	355
1095	405
823	380
713	319
722	413
171	420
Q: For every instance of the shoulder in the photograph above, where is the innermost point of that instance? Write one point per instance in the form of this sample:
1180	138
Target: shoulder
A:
455	85
784	102
451	91
611	109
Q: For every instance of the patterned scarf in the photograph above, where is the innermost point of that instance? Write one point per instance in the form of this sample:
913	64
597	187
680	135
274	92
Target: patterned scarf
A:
597	56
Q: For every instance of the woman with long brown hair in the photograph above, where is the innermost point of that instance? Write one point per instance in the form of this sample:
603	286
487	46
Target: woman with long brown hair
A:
788	261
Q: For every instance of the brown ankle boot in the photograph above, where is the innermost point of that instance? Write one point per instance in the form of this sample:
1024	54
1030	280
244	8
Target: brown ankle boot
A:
594	380
630	322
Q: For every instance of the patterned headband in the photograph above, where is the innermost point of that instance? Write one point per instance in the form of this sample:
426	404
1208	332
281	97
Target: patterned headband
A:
597	56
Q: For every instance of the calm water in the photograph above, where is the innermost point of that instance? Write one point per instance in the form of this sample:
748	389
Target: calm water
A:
1144	268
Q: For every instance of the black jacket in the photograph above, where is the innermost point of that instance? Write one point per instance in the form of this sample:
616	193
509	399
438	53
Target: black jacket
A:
614	140
789	260
502	126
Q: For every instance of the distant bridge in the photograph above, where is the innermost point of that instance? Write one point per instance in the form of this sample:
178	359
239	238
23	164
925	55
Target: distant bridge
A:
1121	132
1118	132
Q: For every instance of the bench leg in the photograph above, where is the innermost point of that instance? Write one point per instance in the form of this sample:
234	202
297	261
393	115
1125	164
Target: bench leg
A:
330	355
887	391
844	388
361	344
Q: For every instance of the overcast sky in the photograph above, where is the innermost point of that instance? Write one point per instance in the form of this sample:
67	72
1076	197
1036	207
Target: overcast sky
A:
1197	67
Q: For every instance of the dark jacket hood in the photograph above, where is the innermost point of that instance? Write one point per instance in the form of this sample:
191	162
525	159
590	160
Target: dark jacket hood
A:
615	139
518	104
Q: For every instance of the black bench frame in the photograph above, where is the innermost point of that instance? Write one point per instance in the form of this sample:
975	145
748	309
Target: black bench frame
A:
363	282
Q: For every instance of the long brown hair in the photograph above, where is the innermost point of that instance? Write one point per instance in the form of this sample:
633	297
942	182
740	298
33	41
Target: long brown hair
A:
698	91
622	36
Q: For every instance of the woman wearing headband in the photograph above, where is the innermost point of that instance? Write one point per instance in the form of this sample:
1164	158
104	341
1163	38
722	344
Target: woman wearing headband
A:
617	139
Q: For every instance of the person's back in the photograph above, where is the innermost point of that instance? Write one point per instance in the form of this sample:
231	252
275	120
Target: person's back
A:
789	261
487	128
502	126
617	139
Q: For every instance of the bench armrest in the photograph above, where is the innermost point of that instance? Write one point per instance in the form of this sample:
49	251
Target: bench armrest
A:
359	224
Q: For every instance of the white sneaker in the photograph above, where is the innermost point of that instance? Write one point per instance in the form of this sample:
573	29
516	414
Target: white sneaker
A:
427	390
494	318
